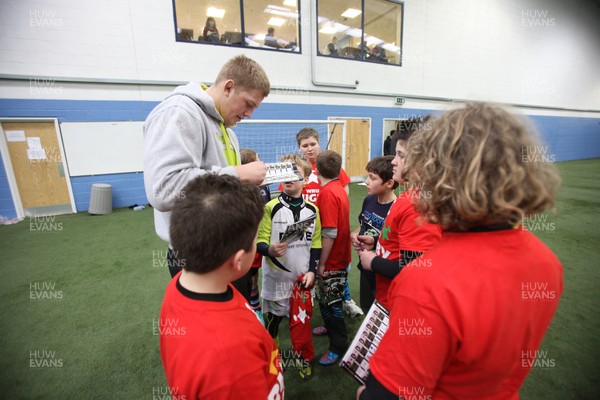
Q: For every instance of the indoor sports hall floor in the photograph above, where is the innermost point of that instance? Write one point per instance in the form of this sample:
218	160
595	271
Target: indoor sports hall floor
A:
80	295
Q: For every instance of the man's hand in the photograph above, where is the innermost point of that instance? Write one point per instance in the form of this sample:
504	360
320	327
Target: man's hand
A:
278	249
254	172
366	257
367	242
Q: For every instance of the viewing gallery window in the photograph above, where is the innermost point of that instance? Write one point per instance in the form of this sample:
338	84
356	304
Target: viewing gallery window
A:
264	24
366	30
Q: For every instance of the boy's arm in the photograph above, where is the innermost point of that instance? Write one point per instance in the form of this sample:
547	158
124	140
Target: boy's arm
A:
391	268
316	246
263	239
329	235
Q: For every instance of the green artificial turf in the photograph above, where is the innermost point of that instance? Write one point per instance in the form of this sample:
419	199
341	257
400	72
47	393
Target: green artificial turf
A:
80	295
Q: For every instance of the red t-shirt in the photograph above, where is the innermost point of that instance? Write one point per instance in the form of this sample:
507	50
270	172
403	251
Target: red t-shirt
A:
216	349
404	229
335	213
312	188
470	325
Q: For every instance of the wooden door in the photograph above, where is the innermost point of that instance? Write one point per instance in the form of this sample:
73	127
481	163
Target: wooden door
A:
358	139
38	167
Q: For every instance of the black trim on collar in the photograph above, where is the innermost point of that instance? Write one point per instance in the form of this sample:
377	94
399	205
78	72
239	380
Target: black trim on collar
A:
494	227
218	297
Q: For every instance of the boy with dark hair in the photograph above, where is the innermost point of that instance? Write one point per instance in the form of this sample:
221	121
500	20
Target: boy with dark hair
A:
336	254
380	188
308	144
405	235
287	267
201	306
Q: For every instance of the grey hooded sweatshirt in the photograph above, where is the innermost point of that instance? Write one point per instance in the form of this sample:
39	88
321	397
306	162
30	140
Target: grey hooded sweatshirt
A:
181	142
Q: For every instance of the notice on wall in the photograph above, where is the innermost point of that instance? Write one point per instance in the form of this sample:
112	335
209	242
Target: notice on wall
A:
34	143
35	151
15	136
36	154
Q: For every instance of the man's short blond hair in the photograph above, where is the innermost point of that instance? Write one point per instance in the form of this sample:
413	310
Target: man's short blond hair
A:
246	73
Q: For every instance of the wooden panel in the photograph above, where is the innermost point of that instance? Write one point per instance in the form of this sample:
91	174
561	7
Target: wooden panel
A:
357	145
41	182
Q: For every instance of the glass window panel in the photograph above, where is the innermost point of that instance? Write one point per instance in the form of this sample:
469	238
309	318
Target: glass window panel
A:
194	21
383	31
339	35
272	24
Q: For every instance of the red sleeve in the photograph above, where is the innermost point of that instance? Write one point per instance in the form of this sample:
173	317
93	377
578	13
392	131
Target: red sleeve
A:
344	179
327	204
415	350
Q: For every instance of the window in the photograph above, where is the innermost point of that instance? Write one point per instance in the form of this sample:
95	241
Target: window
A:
272	26
265	24
366	30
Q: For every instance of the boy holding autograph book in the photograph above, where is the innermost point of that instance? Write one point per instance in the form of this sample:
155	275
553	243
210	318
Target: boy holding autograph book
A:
290	263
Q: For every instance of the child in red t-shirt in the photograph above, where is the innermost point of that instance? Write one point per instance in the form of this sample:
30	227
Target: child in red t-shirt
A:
309	146
468	316
335	254
212	344
405	234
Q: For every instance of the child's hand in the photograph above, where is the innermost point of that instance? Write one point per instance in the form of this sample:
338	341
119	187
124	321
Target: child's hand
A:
309	280
358	246
366	257
359	392
321	270
367	242
278	249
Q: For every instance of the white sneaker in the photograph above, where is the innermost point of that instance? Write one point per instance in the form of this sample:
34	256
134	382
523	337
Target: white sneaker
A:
352	309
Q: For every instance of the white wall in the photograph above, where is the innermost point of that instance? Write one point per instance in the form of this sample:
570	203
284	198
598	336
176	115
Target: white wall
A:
462	49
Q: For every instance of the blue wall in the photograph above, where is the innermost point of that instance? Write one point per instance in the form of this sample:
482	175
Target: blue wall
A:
7	207
568	138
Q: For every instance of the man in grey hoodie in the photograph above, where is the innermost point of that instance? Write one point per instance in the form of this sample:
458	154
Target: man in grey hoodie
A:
188	134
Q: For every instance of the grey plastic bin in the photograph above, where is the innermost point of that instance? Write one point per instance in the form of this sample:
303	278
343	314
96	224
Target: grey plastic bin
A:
101	199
